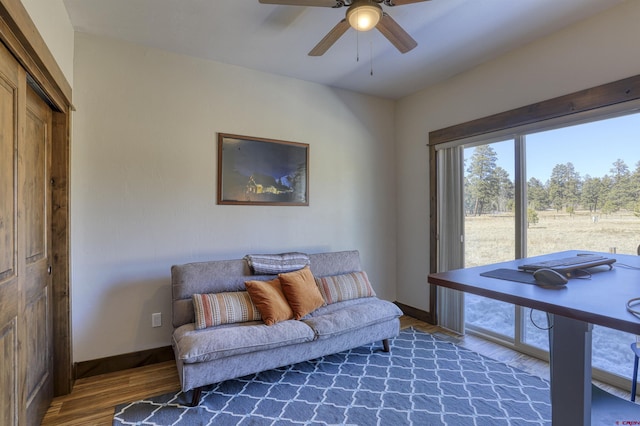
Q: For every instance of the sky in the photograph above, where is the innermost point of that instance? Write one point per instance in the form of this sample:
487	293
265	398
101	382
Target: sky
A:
592	148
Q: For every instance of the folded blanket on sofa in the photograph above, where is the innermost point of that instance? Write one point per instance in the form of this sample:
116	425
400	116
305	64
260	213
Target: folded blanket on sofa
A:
272	264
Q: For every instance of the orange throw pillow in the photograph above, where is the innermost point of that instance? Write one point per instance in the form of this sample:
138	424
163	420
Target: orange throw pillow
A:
301	291
270	301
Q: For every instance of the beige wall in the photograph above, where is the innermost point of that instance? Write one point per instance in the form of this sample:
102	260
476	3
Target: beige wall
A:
52	20
144	181
597	51
143	163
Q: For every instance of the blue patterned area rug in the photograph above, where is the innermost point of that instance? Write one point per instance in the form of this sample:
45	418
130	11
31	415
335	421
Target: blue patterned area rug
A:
423	381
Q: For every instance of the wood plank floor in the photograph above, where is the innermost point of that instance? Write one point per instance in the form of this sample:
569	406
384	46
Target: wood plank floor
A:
93	399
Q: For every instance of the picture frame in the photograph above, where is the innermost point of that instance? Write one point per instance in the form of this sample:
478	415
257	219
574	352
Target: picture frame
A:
259	171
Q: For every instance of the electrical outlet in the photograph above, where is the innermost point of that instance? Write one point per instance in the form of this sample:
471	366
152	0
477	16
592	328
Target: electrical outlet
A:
156	319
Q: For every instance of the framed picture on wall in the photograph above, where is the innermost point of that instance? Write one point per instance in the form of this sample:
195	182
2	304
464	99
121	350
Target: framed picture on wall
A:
258	171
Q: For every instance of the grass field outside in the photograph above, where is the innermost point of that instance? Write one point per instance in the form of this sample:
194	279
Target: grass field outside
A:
490	239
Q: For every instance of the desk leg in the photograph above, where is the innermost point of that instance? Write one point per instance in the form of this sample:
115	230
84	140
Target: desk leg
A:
570	353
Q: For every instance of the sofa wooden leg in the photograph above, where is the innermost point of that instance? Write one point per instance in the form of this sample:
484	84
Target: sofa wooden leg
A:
385	345
195	399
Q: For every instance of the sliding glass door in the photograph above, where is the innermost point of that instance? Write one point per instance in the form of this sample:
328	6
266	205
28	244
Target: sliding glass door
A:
580	190
489	229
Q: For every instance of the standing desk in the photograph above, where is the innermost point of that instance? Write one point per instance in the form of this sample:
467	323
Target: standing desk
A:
574	308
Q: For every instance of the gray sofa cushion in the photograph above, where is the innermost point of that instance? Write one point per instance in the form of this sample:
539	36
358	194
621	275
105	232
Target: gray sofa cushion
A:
233	339
342	317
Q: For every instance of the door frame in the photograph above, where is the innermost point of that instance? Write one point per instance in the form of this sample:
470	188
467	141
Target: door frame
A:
20	35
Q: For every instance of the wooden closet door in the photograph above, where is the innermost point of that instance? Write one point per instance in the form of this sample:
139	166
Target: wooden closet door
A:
34	157
26	345
10	300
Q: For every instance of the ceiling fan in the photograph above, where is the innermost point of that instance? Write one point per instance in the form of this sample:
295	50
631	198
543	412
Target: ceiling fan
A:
362	15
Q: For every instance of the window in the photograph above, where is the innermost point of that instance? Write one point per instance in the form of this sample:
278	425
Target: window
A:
570	182
489	228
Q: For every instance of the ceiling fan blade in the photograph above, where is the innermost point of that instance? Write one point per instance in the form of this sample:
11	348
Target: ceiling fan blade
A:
328	40
319	3
395	34
402	2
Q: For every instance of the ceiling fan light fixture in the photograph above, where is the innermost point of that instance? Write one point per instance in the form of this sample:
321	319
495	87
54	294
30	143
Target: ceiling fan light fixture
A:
364	17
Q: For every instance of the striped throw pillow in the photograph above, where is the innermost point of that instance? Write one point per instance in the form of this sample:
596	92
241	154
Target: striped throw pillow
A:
336	288
272	264
224	308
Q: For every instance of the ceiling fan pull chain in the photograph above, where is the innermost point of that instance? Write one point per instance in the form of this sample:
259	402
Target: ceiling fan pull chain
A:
357	46
371	56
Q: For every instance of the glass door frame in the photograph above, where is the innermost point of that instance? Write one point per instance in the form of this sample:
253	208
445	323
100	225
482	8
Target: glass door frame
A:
520	206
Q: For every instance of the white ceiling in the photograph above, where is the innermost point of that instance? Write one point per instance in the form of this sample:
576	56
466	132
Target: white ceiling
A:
452	35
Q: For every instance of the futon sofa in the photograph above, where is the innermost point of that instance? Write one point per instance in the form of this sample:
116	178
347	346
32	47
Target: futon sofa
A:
210	352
